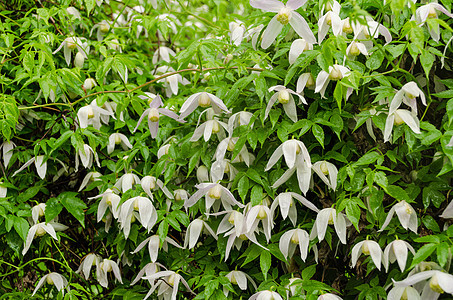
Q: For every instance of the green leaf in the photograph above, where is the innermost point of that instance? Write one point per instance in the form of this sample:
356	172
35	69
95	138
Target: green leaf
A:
427	60
318	132
423	253
444	94
442	253
265	263
308	272
61	140
431	224
251	253
21	226
28	194
173	222
397	192
375	60
243	187
53	209
431	195
253	175
381	179
304	125
162	230
74	205
256	195
90	5
353	213
368	158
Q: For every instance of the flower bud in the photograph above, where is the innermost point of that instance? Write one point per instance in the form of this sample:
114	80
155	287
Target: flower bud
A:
79	60
89	83
432	14
40	231
153	115
202	174
215	127
354	50
261	214
104	27
283	97
335	73
323	168
49	280
204	100
347	28
71	44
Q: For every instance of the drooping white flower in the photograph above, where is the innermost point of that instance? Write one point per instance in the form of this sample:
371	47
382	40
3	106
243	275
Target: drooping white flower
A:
7	148
285	97
403	293
364	32
56	279
40	164
208	128
435	283
102	27
398	117
355	48
109	200
71	43
288	206
448	211
239	119
290	150
336	72
41	229
329	216
406	215
239	278
148	270
146	211
118	139
168	287
170	82
154	246
194	230
305	80
87	263
106	266
213	192
86	156
231	219
396	251
407	95
297	47
329	296
256	214
285	14
202	99
163	53
289	241
151	183
126	182
91	115
253	34
237	30
229	144
324	169
37	212
89	177
330	19
367	247
429	11
266	295
153	114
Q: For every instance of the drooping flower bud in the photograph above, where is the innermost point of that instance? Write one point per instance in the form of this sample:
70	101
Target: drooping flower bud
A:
215	192
79	60
335	73
204	100
89	83
283	97
153	115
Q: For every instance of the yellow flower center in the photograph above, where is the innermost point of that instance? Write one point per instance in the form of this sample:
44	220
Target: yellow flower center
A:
323	168
215	126
354	50
347	28
227	168
49	280
171	280
231	145
117	139
136	204
233	279
432	14
398	120
231	219
204	100
409	210
434	285
178	196
330	221
329	19
40	211
215	192
71	45
310	81
104	28
40	231
295	238
243	237
365	249
261	214
335	74
108	200
284	15
283	97
404	295
90	113
153	115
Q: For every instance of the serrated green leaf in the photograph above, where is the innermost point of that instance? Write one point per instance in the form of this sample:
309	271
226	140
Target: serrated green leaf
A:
73	205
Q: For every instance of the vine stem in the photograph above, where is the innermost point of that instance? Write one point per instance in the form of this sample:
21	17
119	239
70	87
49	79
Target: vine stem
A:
71	104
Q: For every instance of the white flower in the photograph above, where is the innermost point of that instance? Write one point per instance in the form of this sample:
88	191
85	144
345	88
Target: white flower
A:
163	53
372	29
153	114
89	84
407	95
396	251
355	48
329	216
438	283
58	280
194	230
208	128
239	278
79	60
297	47
118	139
170	82
151	183
103	28
37	212
259	213
168	287
86	156
429	11
7	148
285	14
154	245
288	207
90	177
41	229
149	269
202	99
448	211
237	30
406	215
368	248
202	174
213	192
239	119
398	117
71	43
329	296
254	33
221	167
229	144
126	182
146	210
40	164
89	261
109	200
324	169
285	97
71	10
402	293
330	19
266	295
91	115
305	80
336	72
233	218
106	266
290	239
290	149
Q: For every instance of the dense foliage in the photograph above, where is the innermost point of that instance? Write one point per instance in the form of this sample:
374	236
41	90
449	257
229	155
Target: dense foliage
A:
226	149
